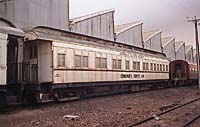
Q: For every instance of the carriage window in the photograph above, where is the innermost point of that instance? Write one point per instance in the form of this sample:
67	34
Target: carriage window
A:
160	67
77	61
119	62
114	63
154	67
127	65
85	61
104	63
98	62
163	67
33	52
134	65
138	66
61	60
167	68
151	66
145	66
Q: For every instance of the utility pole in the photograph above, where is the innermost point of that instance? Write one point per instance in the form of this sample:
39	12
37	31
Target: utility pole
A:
195	20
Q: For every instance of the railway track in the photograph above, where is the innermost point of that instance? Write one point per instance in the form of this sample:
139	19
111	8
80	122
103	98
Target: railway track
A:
191	121
148	119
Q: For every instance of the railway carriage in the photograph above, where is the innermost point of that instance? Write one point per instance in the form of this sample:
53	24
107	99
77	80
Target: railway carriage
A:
183	72
70	65
46	64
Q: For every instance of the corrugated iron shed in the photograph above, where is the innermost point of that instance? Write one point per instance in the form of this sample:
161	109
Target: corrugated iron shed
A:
189	53
152	40
168	47
99	24
180	50
30	13
130	33
195	55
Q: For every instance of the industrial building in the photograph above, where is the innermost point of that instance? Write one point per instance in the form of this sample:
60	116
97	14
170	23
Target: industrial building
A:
180	50
99	24
25	14
168	47
195	55
152	40
130	33
189	53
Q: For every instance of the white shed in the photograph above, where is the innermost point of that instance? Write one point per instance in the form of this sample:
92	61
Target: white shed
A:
180	50
189	53
152	40
195	55
168	47
130	34
31	13
100	24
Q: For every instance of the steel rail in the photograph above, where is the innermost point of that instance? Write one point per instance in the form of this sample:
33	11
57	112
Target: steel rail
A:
162	113
191	121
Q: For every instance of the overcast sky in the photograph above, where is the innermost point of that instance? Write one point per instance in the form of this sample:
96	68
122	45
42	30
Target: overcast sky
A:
166	15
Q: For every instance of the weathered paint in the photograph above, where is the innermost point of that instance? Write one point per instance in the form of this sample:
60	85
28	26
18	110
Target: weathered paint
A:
3	58
100	24
29	13
189	53
168	46
130	34
71	74
43	60
152	40
180	50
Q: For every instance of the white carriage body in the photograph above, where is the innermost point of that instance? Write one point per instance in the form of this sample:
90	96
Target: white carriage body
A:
3	58
68	48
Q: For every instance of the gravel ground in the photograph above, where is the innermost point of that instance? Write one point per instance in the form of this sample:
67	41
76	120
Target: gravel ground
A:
109	111
176	118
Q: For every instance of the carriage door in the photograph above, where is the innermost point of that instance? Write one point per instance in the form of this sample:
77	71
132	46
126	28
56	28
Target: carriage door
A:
3	58
12	60
32	66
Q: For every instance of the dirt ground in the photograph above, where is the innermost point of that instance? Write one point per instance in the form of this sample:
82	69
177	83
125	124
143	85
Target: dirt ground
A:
109	111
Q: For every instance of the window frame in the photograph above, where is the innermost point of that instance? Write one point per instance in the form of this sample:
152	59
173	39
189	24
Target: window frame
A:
59	60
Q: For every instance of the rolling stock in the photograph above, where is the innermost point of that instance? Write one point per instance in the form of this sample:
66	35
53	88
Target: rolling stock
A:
46	64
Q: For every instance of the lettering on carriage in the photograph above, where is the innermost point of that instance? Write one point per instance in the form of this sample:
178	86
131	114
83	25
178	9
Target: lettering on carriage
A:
132	76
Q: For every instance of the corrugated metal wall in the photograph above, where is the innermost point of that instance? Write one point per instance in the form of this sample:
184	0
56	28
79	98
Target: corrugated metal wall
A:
180	52
169	50
189	55
194	56
154	43
132	36
101	26
30	13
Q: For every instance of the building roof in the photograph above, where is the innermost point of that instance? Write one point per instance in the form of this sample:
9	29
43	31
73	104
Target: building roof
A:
150	34
166	41
194	52
124	27
178	44
12	31
85	17
188	48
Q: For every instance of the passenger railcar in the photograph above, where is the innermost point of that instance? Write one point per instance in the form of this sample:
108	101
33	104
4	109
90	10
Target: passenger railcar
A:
46	64
182	72
71	64
53	64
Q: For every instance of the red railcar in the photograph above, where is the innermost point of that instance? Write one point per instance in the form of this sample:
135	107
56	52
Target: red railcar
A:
183	72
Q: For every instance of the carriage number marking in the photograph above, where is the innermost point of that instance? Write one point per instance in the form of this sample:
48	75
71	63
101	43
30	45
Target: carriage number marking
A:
132	76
